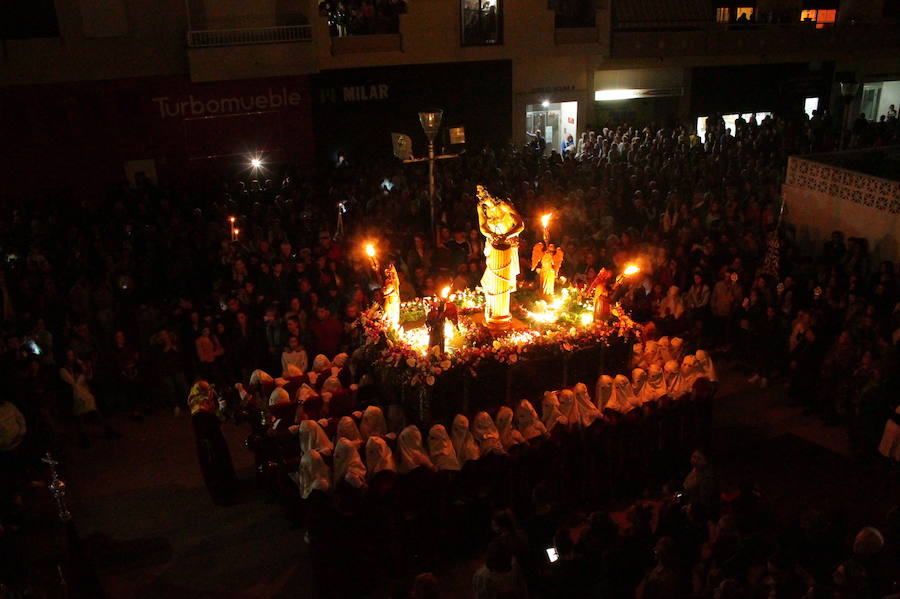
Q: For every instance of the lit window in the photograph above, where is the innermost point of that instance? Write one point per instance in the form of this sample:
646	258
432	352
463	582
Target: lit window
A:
820	16
481	22
723	14
744	12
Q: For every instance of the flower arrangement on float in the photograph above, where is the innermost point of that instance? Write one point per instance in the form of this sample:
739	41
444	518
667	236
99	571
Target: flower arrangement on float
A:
402	355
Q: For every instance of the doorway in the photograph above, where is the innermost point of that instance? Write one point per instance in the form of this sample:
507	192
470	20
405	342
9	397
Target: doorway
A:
555	121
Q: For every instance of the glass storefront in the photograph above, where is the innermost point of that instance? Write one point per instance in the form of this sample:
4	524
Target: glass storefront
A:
554	122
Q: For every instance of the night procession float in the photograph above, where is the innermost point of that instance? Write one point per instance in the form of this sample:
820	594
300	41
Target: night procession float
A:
475	349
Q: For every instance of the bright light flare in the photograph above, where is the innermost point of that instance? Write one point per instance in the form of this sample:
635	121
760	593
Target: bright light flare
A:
445	292
255	162
631	269
545	219
587	318
370	250
611	95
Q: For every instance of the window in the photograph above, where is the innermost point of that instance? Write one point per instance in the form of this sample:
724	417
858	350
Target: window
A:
744	13
809	105
723	14
822	17
481	22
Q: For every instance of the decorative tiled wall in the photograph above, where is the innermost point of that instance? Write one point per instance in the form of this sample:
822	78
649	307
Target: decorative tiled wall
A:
873	192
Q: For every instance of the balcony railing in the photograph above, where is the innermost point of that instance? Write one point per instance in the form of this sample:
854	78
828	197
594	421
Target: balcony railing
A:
257	35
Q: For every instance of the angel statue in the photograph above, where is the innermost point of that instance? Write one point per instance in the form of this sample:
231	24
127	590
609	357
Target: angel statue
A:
390	290
546	258
500	224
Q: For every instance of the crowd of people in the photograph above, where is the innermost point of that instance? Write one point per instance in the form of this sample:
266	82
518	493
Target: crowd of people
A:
121	303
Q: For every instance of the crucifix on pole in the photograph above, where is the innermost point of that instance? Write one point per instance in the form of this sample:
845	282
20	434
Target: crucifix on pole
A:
431	123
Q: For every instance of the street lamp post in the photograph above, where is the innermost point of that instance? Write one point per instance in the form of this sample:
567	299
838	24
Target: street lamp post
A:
431	123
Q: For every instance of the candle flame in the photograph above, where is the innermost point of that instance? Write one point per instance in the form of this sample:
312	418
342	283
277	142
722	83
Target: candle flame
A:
236	231
445	292
545	220
370	250
231	219
631	269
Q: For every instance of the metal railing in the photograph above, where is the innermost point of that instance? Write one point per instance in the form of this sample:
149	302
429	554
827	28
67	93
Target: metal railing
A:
207	38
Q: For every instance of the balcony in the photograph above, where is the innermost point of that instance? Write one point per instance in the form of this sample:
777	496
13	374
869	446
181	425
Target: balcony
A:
756	39
210	38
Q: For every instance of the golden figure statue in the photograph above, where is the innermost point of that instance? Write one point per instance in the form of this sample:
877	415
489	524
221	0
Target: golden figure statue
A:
500	224
390	290
547	260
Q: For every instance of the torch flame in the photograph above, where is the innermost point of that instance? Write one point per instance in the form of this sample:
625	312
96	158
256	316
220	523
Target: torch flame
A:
545	220
631	269
445	292
370	250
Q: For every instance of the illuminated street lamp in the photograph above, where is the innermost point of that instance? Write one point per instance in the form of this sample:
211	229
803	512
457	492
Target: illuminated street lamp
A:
431	124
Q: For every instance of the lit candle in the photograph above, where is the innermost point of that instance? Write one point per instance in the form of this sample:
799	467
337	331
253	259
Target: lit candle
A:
545	222
370	252
231	220
631	269
235	233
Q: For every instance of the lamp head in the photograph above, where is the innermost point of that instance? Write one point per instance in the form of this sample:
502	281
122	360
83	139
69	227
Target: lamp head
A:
431	122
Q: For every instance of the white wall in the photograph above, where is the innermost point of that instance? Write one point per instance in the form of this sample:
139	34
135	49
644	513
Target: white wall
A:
890	94
569	110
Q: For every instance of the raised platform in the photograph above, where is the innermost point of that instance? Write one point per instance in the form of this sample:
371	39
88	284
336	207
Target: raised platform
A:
549	345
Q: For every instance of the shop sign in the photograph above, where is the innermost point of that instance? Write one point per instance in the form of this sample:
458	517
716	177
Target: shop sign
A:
193	107
355	93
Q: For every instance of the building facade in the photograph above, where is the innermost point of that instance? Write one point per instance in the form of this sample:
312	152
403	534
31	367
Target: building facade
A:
178	87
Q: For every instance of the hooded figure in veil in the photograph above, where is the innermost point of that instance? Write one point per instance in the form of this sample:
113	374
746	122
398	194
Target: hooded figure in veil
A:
676	348
623	399
663	350
655	387
378	457
373	423
443	456
604	391
509	436
348	466
409	448
690	372
638	380
486	434
550	413
651	354
312	437
706	364
587	411
463	441
637	355
313	474
347	429
527	421
672	377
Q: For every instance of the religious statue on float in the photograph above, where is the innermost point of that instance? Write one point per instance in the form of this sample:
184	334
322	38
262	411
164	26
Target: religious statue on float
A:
501	225
441	311
602	288
390	291
602	306
546	259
